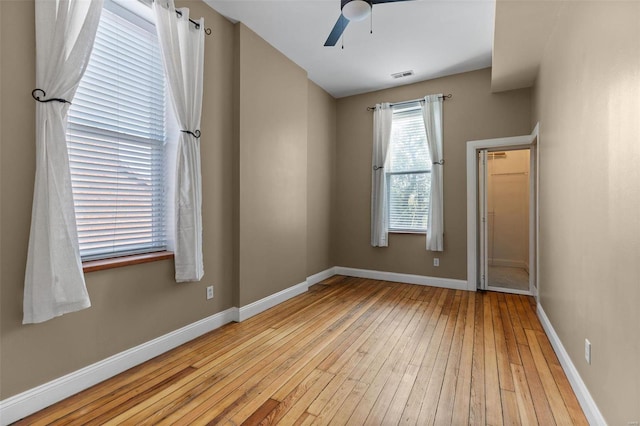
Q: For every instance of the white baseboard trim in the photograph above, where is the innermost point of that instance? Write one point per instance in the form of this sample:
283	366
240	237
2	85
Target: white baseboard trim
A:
509	290
591	411
321	276
509	263
33	400
26	403
262	305
403	278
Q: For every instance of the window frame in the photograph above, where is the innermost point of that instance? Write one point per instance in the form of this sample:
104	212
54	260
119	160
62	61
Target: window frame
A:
388	175
141	15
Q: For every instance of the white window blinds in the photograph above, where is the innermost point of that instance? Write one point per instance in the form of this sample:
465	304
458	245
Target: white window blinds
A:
115	137
408	171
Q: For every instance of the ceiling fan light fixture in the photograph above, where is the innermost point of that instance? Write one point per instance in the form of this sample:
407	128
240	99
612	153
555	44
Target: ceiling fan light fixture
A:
356	10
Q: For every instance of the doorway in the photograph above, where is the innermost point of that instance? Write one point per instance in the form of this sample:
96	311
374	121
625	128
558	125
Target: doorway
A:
503	202
502	219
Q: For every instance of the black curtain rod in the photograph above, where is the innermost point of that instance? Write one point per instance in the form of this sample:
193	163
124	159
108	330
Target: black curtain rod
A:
443	97
207	31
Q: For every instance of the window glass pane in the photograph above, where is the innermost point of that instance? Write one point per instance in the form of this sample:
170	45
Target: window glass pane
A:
408	146
408	171
409	201
115	137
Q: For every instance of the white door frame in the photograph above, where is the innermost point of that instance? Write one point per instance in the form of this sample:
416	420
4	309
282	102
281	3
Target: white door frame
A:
526	141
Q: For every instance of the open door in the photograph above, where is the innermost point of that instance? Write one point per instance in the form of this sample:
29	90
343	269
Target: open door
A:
482	220
489	216
505	213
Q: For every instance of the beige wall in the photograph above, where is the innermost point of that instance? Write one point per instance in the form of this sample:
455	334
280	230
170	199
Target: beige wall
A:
321	153
587	99
131	305
273	169
254	157
472	113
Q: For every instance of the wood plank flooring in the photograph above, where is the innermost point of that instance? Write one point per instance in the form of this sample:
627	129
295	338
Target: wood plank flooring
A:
349	351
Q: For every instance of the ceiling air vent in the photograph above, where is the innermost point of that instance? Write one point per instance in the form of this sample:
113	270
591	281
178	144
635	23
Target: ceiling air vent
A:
402	74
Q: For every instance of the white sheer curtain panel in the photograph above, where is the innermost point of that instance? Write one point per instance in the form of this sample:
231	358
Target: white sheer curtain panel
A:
54	281
382	119
432	114
182	45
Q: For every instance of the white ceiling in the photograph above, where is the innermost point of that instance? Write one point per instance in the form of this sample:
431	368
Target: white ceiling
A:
432	38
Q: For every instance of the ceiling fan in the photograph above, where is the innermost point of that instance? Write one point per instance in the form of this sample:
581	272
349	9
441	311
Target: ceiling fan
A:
352	10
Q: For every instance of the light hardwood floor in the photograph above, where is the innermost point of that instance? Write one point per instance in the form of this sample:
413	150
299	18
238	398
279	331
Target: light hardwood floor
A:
349	351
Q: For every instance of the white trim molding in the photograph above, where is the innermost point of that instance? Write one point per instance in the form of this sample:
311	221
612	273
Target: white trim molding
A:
591	411
268	302
403	278
33	400
321	276
509	263
509	290
40	397
26	403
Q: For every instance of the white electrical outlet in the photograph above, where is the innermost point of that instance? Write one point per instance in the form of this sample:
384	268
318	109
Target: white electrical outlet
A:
436	261
587	351
210	292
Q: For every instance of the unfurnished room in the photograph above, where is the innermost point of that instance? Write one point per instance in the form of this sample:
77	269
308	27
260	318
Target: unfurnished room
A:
307	212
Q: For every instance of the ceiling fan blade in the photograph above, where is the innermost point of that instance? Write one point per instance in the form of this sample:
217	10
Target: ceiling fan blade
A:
386	1
337	30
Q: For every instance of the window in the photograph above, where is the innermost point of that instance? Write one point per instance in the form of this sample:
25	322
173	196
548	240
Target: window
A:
408	171
116	138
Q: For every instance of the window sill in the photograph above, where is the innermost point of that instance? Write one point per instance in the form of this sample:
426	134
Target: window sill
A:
408	232
118	262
